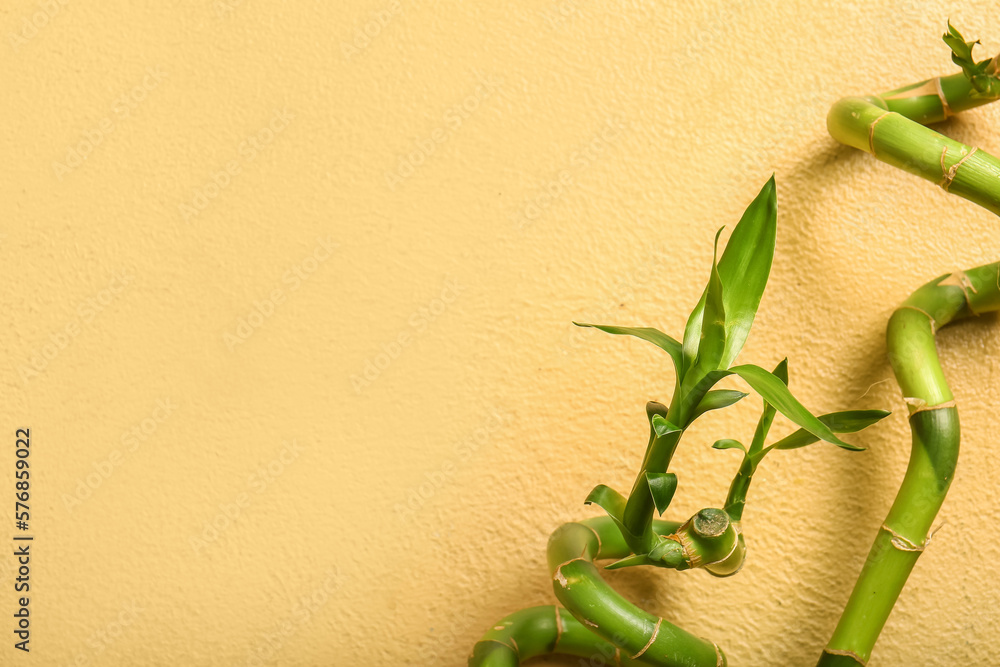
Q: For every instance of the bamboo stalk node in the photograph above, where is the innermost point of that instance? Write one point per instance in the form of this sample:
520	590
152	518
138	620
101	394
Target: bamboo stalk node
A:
596	534
723	559
902	543
871	132
849	654
961	280
691	554
652	638
925	313
920	405
948	173
560	577
948	113
720	658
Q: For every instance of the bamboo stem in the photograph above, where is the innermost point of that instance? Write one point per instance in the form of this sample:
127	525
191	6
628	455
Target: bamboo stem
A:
539	631
638	516
889	127
597	609
579	586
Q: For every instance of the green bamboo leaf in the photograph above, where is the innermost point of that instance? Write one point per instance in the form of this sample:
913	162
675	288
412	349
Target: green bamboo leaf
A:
743	269
648	334
695	389
712	344
692	334
961	51
613	503
776	393
978	73
850	421
629	561
607	499
661	486
716	399
729	443
662	427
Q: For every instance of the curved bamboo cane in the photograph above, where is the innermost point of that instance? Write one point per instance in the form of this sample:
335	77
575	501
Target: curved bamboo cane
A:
598	622
889	126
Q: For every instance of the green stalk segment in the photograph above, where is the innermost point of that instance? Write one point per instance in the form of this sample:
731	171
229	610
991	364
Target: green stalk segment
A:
935	443
638	515
539	631
579	586
889	126
736	500
617	628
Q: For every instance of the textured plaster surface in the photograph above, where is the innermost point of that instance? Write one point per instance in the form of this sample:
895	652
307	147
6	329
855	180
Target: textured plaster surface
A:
369	473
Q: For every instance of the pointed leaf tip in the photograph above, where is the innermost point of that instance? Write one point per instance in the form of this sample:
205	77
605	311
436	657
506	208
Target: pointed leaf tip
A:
663	341
781	371
776	393
611	502
607	499
848	421
745	267
716	399
629	561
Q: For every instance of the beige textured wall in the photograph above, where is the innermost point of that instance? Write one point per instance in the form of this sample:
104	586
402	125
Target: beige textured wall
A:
315	288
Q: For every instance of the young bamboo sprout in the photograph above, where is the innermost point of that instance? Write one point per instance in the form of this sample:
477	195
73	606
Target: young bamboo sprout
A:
711	539
889	126
850	421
